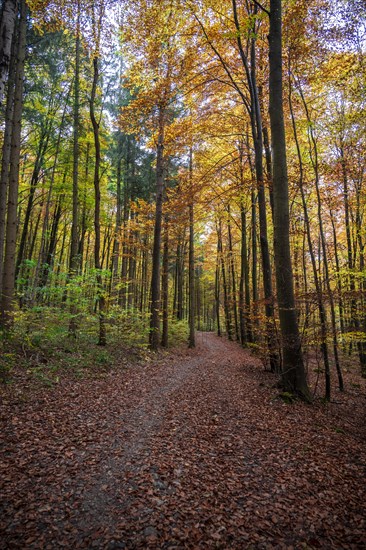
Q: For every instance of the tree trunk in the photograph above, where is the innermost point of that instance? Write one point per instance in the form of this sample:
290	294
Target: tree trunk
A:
125	232
74	245
165	287
7	304
132	262
42	148
192	296
155	278
315	164
5	161
254	257
257	137
217	290
338	274
244	293
229	331
233	275
293	371
100	294
7	28
117	231
49	255
317	281
180	280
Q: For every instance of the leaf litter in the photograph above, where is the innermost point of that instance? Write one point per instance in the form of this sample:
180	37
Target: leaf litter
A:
191	450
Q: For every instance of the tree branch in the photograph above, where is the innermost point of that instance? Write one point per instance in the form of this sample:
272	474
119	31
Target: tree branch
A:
262	8
224	65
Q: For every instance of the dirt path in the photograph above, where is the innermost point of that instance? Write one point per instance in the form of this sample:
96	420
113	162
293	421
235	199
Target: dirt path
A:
191	451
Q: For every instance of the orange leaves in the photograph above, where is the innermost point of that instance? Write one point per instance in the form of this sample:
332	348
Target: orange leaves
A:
192	449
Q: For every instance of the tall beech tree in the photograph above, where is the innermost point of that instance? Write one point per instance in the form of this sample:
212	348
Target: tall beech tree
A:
155	277
293	372
192	296
97	20
74	261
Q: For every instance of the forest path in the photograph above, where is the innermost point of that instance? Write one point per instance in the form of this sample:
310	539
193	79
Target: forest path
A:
191	450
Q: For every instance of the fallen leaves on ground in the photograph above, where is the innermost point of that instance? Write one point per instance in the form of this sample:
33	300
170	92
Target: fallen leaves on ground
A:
193	450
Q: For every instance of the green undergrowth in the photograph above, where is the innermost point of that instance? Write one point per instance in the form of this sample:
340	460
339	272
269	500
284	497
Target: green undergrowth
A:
40	347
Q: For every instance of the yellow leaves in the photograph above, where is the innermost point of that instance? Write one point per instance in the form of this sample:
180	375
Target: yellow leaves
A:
340	67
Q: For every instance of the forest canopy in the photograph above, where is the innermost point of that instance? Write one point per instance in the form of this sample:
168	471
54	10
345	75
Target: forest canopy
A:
172	166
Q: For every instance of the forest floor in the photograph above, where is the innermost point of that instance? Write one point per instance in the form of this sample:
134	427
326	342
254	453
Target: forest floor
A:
192	449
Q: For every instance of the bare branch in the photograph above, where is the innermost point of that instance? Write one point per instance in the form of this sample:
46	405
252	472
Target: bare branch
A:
224	65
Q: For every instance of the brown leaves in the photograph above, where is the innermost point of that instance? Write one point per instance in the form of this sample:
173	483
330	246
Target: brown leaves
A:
192	451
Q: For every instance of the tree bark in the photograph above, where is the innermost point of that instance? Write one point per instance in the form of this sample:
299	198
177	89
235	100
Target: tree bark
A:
317	280
7	302
314	160
155	278
7	28
229	330
192	296
5	161
102	340
165	287
233	274
217	290
74	245
293	372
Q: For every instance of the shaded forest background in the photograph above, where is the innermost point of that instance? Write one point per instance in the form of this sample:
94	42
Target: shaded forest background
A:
136	196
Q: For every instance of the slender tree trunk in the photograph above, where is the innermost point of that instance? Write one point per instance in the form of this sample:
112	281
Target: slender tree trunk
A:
117	231
107	246
74	257
224	283
192	296
293	371
155	278
257	136
132	262
199	297
268	154
315	164
125	232
165	287
254	255
339	279
245	320
43	144
7	302
317	281
233	275
361	344
5	161
50	253
9	10
217	290
118	226
100	293
180	280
